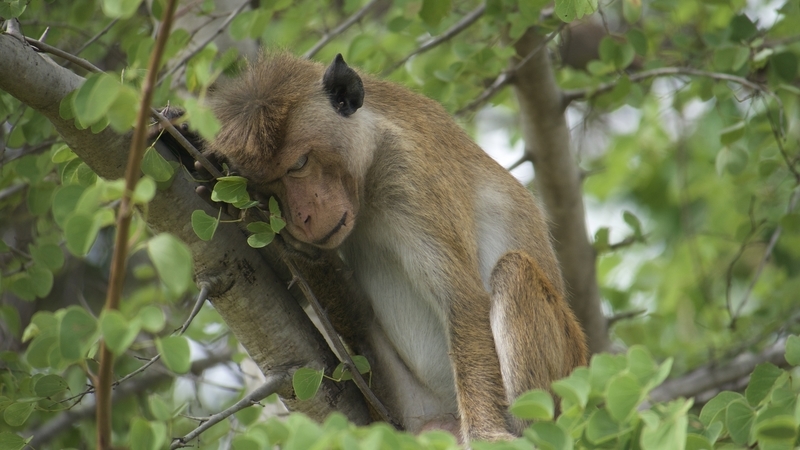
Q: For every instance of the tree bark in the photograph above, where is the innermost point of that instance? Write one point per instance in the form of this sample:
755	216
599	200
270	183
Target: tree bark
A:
558	184
252	300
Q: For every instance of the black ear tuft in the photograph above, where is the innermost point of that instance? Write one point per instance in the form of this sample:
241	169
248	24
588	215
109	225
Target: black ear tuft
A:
343	86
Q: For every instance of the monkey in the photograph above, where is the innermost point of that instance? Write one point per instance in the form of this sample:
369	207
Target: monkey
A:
461	304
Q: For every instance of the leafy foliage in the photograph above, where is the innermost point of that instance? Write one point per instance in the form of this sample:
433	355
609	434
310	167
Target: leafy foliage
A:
697	160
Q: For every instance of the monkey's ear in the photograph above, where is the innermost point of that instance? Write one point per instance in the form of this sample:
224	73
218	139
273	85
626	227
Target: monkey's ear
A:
343	86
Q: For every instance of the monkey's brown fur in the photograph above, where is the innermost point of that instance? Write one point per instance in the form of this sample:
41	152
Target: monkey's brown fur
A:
452	254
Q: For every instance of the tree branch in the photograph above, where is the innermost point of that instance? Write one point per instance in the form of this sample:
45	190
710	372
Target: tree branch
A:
576	94
333	338
203	45
706	381
558	181
457	28
247	294
270	386
507	77
66	419
358	15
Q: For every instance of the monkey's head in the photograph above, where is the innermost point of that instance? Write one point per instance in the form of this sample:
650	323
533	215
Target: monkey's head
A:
293	129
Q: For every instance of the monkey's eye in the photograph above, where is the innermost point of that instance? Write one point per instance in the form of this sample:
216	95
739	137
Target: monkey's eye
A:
301	162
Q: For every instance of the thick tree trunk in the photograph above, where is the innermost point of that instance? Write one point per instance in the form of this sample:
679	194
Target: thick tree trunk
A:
248	295
558	184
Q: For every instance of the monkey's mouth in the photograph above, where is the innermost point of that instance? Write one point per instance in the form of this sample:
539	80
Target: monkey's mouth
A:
331	233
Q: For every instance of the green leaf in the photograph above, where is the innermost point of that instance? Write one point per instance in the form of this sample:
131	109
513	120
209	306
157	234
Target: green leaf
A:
202	119
122	112
603	366
340	373
362	365
204	225
276	224
715	409
173	261
533	405
152	319
602	428
633	222
63	154
9	440
668	433
780	428
549	436
41	280
739	420
141	436
64	202
761	381
118	333
120	9
175	353
697	442
274	208
793	350
575	388
732	133
306	382
569	10
17	413
623	395
144	191
155	166
80	231
50	385
232	189
433	11
159	408
641	363
48	255
260	240
40	197
76	330
785	66
11	9
632	10
93	99
742	28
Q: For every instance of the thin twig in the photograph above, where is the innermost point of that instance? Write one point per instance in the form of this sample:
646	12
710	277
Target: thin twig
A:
358	15
505	77
165	123
767	255
457	28
577	94
333	337
625	315
274	382
196	154
80	62
210	38
198	305
96	37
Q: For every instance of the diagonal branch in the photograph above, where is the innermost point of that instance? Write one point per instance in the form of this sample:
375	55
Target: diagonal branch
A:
506	77
457	28
350	21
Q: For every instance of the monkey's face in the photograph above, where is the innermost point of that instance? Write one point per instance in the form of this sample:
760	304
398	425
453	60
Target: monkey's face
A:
297	133
317	194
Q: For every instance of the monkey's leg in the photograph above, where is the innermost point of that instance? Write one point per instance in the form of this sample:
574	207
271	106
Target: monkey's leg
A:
537	336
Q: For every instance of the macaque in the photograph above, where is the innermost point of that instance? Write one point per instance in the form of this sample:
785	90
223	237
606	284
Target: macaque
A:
462	303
